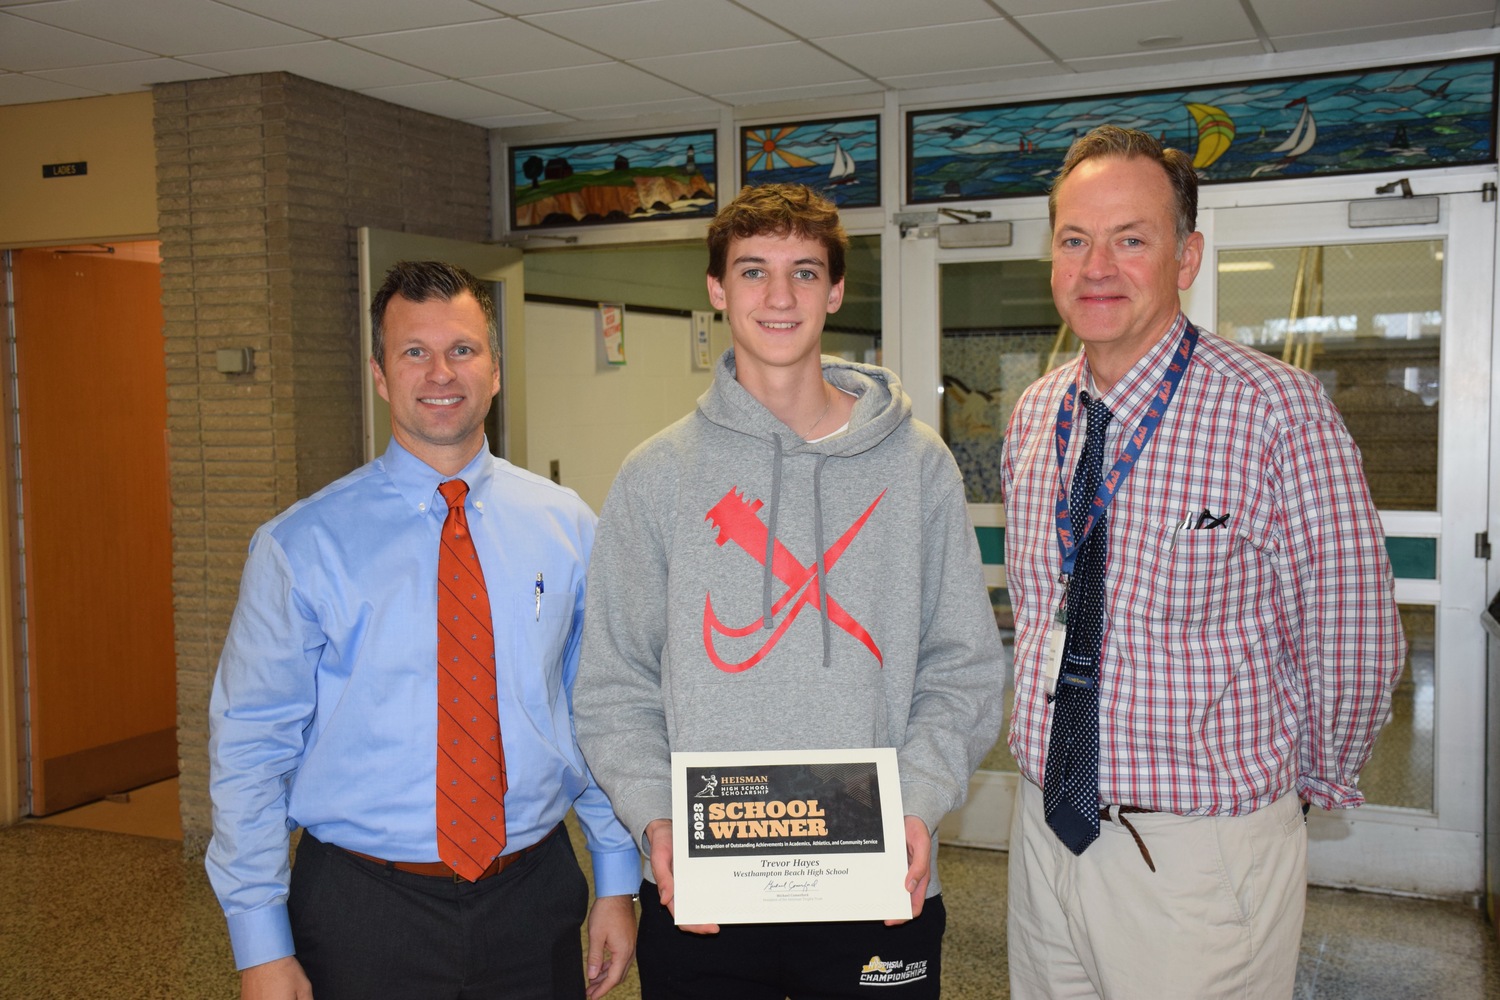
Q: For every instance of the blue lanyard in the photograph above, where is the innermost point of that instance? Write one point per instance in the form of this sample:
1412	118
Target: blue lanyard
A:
1134	445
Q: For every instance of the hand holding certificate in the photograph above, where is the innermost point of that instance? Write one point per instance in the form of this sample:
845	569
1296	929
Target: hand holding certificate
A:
791	835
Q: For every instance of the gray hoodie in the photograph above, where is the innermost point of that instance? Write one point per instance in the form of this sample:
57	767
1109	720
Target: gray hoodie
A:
704	629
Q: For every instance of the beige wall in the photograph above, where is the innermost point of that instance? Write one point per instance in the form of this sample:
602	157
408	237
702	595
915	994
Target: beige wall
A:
587	414
115	199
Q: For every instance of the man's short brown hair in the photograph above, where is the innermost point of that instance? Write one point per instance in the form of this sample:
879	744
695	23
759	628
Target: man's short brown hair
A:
1112	140
778	210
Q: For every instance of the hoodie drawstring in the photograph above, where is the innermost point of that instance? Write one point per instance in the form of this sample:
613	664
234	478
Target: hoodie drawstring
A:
765	586
822	570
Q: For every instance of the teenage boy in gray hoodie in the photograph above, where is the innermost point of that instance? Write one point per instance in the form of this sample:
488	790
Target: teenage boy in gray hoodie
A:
789	455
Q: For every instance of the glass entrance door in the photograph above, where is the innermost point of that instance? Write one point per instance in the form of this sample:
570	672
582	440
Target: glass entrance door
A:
1396	324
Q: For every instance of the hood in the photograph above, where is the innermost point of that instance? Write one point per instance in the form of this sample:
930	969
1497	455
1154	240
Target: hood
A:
882	407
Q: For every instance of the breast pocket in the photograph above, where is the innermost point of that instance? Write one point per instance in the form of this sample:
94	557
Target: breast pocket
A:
537	643
1191	573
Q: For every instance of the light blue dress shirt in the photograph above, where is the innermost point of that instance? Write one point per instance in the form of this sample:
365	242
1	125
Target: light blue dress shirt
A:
324	709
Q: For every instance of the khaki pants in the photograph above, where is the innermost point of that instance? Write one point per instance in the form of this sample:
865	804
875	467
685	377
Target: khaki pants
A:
1220	917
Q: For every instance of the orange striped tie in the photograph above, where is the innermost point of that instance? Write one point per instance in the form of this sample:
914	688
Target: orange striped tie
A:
471	761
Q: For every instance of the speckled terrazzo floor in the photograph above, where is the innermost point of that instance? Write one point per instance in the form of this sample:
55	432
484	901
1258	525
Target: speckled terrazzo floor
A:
88	915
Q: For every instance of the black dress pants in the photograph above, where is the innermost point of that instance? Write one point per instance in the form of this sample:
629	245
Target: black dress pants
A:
367	932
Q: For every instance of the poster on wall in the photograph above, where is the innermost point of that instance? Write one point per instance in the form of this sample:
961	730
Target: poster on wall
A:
609	323
702	340
1435	114
840	157
642	178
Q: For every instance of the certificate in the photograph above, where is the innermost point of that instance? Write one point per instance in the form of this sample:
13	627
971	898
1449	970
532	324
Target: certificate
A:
788	835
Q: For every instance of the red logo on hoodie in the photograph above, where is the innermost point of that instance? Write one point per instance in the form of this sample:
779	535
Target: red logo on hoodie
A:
736	519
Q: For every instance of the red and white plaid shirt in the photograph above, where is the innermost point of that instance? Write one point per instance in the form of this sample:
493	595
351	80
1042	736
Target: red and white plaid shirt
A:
1239	663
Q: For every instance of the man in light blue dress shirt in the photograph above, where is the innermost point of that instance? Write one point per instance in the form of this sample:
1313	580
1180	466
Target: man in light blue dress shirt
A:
323	714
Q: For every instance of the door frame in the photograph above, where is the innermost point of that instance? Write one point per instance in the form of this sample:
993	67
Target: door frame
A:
984	820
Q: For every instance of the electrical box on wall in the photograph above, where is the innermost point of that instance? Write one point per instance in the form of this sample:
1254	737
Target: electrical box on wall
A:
235	360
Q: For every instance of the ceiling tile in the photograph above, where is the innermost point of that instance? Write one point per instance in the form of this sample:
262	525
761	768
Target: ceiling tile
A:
516	8
518	120
1118	30
364	17
685	105
19	88
450	98
793	64
543	61
949	46
1016	8
805	92
818	18
581	86
26	45
1379	33
1186	53
660	27
962	77
333	63
1298	17
165	27
119	78
483	48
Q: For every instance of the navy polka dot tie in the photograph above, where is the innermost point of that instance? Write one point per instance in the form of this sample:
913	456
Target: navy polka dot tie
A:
1070	783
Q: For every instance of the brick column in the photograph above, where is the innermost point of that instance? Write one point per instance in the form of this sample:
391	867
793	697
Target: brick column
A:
261	183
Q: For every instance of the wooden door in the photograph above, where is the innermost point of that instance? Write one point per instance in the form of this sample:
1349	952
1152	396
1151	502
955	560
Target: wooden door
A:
95	525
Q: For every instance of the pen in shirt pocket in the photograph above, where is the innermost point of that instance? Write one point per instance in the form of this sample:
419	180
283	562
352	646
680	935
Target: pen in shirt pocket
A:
539	589
1200	521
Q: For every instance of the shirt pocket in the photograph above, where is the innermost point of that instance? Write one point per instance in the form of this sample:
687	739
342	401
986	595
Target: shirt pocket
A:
537	642
1190	577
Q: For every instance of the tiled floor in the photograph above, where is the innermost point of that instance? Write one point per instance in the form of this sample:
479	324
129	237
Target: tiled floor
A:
92	915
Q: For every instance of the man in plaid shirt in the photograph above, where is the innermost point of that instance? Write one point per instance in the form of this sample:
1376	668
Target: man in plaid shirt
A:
1250	636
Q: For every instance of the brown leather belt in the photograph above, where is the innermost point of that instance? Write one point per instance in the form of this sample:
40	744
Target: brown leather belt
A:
439	869
1119	814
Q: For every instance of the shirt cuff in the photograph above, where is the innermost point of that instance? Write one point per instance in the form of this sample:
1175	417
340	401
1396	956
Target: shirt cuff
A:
1327	795
924	802
260	936
617	873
